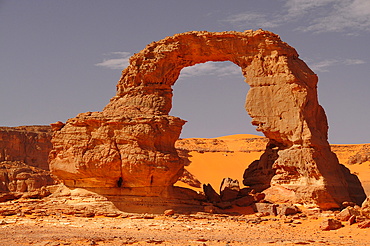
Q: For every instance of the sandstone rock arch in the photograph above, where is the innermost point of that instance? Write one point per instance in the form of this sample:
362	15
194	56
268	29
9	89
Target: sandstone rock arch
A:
130	144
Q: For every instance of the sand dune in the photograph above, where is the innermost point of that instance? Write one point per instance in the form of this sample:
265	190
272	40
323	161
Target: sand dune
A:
228	156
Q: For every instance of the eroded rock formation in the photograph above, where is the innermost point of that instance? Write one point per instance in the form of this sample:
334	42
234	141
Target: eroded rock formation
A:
18	177
130	144
29	144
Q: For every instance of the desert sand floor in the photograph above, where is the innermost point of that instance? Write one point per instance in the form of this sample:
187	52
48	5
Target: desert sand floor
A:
194	229
197	229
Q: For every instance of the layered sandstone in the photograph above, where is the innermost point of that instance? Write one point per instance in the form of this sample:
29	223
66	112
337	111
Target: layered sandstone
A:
18	177
28	144
130	144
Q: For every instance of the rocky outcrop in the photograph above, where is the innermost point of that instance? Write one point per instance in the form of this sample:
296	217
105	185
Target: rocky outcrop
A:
361	156
28	144
352	153
130	144
241	144
24	164
231	195
19	177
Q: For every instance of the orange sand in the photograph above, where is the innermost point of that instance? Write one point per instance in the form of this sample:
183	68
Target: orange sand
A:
212	167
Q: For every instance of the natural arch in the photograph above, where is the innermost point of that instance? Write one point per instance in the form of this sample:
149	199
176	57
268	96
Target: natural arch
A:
132	139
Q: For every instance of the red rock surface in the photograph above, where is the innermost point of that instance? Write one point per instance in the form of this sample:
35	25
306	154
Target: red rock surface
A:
19	177
330	224
29	144
131	142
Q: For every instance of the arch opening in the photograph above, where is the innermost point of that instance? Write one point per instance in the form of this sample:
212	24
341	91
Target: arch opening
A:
210	97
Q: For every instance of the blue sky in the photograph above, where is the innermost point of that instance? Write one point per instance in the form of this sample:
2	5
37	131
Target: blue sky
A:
61	58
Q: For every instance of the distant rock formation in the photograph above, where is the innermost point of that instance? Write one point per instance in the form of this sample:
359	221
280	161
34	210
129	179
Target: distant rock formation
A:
28	144
17	177
130	144
361	156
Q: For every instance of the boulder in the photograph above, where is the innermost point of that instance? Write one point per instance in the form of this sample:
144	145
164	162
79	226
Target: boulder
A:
211	194
284	209
352	220
346	214
365	208
265	208
229	183
330	224
245	201
229	189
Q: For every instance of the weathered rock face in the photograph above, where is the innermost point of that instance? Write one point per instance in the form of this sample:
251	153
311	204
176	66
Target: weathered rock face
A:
365	209
29	144
361	156
19	177
131	142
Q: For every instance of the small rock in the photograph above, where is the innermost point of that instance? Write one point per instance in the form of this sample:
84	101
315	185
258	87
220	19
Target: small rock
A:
330	224
151	216
154	241
211	194
352	219
211	209
365	224
111	214
348	204
287	210
169	212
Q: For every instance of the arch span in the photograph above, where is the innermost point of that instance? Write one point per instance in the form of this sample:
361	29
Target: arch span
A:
133	138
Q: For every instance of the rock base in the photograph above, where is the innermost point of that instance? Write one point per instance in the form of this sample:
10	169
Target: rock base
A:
154	200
